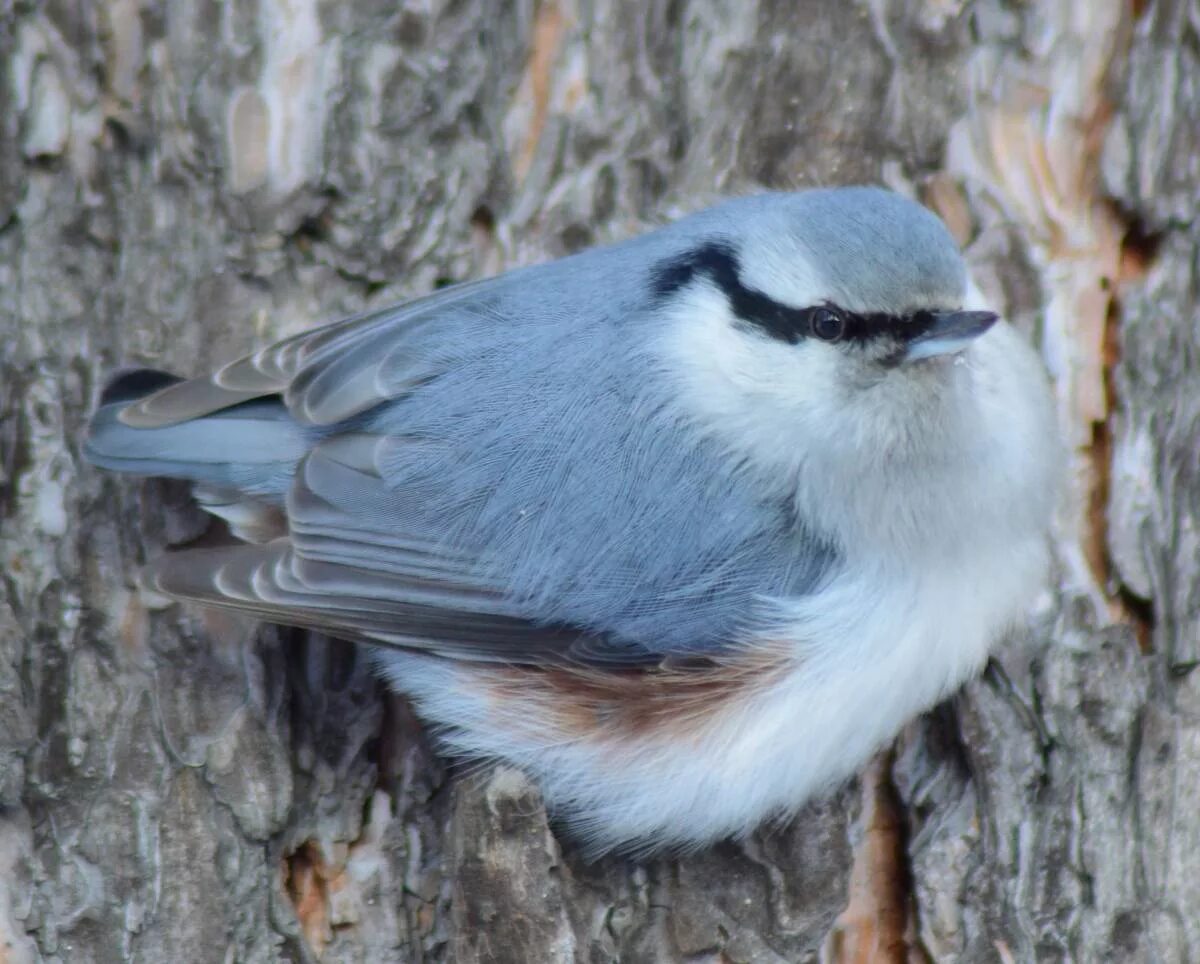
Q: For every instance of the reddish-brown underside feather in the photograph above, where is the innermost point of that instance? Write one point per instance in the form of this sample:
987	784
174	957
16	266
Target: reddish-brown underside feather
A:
585	703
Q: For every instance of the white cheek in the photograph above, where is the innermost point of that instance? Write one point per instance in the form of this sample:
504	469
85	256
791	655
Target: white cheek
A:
921	464
767	399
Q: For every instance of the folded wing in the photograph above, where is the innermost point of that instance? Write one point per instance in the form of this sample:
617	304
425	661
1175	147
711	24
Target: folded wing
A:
496	471
325	375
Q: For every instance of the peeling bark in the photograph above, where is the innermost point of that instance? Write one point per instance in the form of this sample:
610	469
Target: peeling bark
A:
180	181
875	925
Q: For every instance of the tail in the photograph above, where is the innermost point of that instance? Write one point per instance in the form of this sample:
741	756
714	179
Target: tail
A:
247	451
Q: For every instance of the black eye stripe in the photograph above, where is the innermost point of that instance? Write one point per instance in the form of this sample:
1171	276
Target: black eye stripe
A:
719	263
880	324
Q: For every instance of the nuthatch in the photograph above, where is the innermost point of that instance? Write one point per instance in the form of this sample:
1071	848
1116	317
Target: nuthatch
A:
686	526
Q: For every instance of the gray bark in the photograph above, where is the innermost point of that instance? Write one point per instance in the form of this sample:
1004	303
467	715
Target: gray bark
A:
180	181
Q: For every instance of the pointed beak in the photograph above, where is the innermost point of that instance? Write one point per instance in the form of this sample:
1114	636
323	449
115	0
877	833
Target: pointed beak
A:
949	332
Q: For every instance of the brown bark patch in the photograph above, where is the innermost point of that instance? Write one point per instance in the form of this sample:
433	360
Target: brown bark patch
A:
309	878
875	926
548	29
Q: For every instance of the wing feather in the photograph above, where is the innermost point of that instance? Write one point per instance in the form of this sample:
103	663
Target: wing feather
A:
338	573
325	375
494	510
274	583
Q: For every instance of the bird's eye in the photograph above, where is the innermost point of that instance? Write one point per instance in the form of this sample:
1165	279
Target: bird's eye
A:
828	324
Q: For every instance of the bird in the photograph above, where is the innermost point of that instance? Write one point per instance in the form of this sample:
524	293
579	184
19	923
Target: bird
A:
687	526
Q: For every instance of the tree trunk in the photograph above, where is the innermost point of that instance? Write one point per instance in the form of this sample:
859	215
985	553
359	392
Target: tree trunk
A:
180	181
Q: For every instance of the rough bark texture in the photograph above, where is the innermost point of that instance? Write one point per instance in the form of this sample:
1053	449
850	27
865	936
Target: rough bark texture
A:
180	180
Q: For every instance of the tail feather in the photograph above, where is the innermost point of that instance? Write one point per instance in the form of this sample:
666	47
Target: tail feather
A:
133	384
252	447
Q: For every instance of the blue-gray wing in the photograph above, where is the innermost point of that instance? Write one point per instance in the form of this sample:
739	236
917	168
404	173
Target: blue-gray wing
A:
500	471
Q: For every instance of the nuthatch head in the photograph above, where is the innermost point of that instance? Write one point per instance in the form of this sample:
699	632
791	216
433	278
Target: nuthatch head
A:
686	526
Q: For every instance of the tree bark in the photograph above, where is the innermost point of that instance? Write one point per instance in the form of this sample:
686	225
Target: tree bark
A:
181	181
